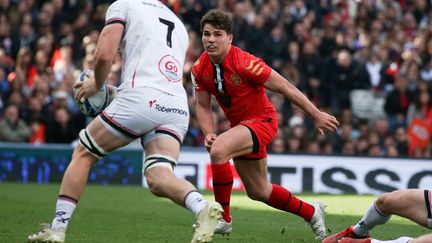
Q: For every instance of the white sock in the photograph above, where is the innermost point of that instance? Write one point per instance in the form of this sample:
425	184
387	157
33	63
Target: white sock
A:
64	211
403	239
195	202
372	218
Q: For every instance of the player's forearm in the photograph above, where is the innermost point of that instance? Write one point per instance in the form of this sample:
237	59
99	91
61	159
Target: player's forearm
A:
106	50
205	120
299	99
101	70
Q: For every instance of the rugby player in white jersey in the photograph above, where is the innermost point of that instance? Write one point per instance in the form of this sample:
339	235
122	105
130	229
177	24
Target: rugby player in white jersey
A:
151	104
413	204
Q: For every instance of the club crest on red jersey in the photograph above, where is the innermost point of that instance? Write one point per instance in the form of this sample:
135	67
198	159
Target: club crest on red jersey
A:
235	79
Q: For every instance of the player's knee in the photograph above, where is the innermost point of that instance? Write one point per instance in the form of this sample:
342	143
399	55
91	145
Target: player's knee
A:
157	169
218	153
155	183
385	203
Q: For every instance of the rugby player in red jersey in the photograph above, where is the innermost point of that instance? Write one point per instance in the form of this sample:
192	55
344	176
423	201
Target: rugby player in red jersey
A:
239	80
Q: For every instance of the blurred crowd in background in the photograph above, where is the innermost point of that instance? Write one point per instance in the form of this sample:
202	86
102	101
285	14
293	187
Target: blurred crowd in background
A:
368	62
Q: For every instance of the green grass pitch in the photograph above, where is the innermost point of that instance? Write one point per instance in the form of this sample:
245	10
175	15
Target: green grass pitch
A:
132	214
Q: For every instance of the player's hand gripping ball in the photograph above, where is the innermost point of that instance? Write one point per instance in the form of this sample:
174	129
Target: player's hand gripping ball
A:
93	105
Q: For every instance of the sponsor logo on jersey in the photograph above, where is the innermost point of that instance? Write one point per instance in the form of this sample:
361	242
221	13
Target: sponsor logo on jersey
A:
162	108
235	79
151	102
171	68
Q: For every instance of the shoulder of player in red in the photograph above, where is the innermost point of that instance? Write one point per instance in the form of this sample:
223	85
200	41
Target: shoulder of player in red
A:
198	65
249	66
198	69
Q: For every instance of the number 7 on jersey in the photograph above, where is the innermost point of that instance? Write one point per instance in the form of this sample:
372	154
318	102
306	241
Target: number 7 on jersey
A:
170	30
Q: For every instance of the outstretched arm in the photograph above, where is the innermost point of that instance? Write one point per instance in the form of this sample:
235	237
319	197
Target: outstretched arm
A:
323	121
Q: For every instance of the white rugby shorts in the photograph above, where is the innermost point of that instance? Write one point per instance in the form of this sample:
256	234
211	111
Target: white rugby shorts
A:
146	113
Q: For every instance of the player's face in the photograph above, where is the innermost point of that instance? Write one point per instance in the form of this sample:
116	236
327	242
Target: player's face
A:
216	42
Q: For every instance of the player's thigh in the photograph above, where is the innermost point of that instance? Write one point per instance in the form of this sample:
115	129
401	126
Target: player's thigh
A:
162	143
263	130
400	199
103	137
409	203
234	142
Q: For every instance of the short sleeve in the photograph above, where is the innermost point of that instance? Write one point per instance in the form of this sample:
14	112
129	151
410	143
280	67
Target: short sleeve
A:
195	81
117	13
254	69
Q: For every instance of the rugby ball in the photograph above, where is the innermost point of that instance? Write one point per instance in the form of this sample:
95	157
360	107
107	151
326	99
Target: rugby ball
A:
95	104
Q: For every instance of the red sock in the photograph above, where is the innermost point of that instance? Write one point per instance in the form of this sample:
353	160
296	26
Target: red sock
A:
222	185
282	199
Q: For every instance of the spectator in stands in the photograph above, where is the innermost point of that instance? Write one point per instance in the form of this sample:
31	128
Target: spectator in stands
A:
294	145
310	66
397	102
362	146
375	150
256	35
313	148
345	136
23	65
401	139
391	151
12	128
385	40
62	128
275	46
240	23
374	68
348	148
36	120
381	127
277	146
346	76
420	108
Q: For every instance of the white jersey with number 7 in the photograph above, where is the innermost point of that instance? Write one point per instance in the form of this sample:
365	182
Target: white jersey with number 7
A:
153	47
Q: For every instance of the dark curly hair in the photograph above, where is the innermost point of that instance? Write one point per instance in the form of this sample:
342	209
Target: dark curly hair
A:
218	19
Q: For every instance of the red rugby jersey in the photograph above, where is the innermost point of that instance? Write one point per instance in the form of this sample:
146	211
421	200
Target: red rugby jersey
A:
237	83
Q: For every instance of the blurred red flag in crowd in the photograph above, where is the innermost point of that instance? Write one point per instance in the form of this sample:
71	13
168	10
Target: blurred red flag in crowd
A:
419	133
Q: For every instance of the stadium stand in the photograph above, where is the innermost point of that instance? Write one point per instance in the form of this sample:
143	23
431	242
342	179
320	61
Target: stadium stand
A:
367	62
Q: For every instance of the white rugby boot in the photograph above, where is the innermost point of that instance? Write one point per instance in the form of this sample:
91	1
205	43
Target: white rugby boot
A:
317	222
206	222
47	235
223	227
